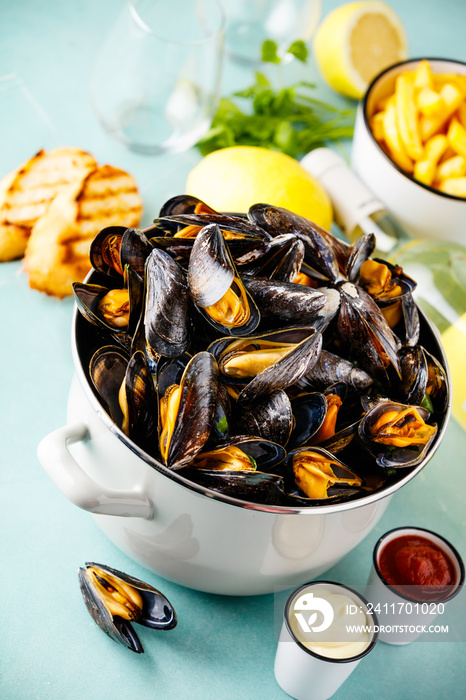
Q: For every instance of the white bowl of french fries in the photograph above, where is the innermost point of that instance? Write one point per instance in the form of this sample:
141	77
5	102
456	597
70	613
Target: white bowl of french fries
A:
410	145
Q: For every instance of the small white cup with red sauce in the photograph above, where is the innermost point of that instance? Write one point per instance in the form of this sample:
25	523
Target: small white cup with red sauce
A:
415	572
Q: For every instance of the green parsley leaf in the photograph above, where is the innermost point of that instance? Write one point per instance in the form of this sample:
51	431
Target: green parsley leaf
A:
299	50
269	52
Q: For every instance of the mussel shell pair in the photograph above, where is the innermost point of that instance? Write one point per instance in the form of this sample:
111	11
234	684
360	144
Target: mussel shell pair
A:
388	456
157	611
423	375
307	344
259	486
116	246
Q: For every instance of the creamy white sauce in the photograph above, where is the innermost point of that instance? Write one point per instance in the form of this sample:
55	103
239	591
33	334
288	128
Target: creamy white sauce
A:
339	642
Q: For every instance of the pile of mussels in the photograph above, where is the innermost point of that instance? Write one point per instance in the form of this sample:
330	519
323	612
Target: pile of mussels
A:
261	357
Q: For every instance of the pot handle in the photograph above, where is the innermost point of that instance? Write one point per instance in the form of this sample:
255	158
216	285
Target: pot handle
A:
78	487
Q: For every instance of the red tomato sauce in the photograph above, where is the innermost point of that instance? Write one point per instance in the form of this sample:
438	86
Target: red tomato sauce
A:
416	562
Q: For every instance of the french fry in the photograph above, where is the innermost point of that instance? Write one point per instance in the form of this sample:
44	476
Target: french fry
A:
393	139
452	97
430	103
453	167
406	117
423	77
425	170
454	185
457	137
377	126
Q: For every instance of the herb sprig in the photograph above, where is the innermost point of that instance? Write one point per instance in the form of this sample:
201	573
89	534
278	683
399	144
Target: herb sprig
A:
289	120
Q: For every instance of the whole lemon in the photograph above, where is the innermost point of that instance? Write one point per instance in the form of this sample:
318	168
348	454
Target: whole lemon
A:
232	179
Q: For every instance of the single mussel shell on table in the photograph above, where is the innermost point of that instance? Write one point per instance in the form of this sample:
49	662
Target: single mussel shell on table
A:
216	287
259	365
424	381
314	476
104	251
240	468
318	254
187	411
396	434
168	306
270	417
365	333
114	600
286	302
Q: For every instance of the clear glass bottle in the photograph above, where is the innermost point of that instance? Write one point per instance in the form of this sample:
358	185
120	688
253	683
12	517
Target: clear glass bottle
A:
438	266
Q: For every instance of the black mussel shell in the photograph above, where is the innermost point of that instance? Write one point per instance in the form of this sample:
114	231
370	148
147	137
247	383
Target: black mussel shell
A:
285	302
196	413
365	332
309	411
142	404
424	380
318	253
330	369
391	456
359	252
232	224
211	273
107	370
270	418
104	252
135	249
283	373
184	204
157	611
168	306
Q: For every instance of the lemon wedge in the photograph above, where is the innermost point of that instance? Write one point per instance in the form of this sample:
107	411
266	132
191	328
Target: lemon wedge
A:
233	179
357	41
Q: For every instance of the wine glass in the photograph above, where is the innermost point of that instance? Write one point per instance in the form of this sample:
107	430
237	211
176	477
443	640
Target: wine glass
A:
250	22
156	82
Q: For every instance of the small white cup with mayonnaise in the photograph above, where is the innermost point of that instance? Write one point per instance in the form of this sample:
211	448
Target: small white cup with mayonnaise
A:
326	631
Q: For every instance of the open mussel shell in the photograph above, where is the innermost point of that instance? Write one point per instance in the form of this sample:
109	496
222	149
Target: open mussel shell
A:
216	287
168	306
140	404
365	333
289	352
281	252
424	380
288	303
358	253
327	478
270	418
396	434
396	285
195	413
104	251
309	411
231	226
254	483
107	370
147	605
276	220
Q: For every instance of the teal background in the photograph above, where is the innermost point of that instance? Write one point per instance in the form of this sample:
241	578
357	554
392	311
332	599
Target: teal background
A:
223	647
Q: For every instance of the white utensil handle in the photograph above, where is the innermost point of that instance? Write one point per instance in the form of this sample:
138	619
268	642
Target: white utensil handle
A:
79	487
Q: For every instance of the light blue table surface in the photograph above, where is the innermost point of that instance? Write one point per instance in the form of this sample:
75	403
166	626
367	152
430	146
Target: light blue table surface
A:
222	647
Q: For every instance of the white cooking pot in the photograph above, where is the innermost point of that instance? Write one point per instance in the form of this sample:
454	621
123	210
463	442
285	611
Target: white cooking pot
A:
185	532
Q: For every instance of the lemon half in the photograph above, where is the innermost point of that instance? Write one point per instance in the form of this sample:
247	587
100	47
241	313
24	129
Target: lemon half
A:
233	179
357	41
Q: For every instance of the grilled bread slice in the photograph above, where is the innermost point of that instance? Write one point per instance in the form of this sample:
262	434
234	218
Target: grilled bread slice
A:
26	193
57	253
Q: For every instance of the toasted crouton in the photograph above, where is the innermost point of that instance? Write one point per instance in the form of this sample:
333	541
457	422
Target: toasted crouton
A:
26	193
58	250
